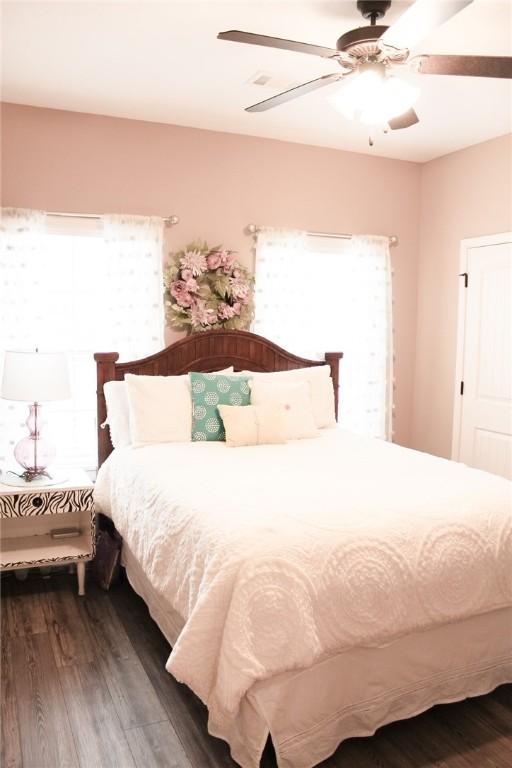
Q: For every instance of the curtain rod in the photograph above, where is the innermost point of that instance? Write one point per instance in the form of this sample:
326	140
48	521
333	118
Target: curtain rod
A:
170	221
253	228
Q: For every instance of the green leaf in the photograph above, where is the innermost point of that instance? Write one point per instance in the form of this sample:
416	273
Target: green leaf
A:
221	285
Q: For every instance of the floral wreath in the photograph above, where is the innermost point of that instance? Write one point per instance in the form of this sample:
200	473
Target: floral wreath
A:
207	288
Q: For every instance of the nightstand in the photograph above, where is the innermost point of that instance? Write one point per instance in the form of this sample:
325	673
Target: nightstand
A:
33	523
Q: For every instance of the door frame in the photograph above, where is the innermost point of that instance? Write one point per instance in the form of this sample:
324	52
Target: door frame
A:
465	245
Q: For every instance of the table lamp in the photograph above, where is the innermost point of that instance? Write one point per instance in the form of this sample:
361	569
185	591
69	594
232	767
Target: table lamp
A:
35	377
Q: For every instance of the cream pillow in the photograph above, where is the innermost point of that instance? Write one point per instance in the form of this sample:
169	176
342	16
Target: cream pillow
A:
322	391
160	408
118	417
295	400
254	424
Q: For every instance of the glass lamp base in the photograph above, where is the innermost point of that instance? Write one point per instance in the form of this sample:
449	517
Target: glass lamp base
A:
33	452
11	478
33	474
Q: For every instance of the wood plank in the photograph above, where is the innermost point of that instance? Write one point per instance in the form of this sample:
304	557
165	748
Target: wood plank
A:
476	728
426	743
99	738
135	617
187	713
493	710
23	607
10	754
46	739
374	752
106	629
69	636
157	746
134	697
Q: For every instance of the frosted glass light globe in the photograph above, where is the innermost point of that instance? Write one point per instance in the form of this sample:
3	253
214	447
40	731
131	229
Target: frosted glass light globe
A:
394	98
374	99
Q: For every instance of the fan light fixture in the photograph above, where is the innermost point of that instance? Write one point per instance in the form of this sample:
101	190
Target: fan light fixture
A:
372	98
366	54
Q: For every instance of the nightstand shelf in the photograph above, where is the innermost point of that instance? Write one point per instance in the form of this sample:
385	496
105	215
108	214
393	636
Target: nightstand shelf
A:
29	514
16	552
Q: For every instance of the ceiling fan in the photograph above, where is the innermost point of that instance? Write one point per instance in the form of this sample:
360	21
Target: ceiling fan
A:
370	54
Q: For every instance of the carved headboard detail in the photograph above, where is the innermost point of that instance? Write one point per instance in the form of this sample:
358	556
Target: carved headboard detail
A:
208	351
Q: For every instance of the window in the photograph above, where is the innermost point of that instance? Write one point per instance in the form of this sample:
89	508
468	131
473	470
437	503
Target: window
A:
316	294
83	286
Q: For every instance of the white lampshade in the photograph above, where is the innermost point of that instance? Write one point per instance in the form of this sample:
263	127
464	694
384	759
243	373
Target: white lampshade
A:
35	376
374	99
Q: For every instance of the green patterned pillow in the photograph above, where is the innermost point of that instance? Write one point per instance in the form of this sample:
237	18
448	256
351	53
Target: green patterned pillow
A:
210	390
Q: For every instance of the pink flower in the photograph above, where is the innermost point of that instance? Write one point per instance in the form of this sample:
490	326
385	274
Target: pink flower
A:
227	260
213	260
185	300
186	274
195	261
236	273
239	288
192	285
179	290
200	315
237	307
225	311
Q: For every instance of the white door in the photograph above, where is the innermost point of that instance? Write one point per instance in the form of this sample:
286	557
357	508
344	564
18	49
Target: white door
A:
483	412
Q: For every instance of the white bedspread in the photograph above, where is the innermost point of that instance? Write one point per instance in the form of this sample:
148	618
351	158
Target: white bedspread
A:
277	556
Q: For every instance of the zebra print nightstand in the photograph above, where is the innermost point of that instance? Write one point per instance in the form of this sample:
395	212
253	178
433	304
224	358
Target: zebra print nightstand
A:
48	525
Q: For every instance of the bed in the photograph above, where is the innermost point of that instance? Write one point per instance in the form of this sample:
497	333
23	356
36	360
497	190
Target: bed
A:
312	591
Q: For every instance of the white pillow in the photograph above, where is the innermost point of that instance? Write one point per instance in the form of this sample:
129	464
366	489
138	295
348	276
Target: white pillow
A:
118	420
294	398
160	408
254	424
322	391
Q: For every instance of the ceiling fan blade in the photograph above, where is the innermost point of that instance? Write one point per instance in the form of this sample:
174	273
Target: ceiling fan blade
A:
277	42
404	121
293	93
468	66
419	20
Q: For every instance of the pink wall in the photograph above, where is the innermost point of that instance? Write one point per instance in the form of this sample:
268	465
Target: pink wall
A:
217	183
464	194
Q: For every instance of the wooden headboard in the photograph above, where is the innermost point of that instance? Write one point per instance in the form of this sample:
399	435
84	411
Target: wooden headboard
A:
208	351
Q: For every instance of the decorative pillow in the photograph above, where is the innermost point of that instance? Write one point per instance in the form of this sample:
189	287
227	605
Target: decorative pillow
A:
322	391
254	424
210	390
118	418
160	410
294	398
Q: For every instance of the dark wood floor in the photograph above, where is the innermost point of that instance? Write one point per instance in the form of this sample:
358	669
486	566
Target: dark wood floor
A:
83	684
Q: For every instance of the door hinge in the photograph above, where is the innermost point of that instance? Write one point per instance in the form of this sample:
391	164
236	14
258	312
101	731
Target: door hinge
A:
462	387
466	278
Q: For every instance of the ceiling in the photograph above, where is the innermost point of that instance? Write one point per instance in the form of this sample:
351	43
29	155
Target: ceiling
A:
161	61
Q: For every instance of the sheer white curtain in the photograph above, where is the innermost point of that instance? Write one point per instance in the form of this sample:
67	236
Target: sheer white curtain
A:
133	272
77	289
20	251
279	290
317	294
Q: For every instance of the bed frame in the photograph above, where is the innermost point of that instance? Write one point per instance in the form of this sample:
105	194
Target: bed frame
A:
208	351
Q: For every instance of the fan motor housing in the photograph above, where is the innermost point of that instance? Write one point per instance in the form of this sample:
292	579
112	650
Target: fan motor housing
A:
373	9
361	42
